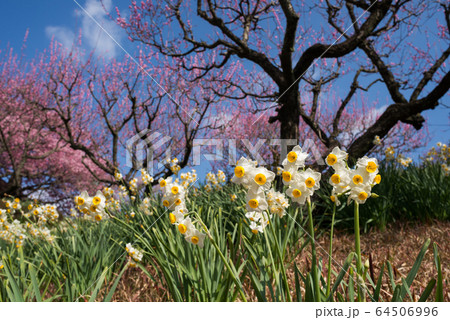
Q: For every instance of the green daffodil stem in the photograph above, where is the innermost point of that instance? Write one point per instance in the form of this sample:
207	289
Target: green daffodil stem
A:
314	268
330	251
361	296
283	269
227	265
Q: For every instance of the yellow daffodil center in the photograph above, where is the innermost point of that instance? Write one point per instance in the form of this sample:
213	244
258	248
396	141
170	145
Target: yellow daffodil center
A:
357	179
96	201
362	196
36	212
178	202
239	171
260	179
333	198
182	228
377	179
335	178
331	159
253	203
296	193
93	208
195	239
30	206
98	217
310	182
79	201
166	203
162	183
172	218
287	176
292	156
371	167
255	231
174	190
17	200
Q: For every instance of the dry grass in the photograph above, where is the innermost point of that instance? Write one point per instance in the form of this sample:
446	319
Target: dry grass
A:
400	245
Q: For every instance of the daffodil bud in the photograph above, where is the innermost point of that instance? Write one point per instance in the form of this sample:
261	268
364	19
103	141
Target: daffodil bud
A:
374	195
366	264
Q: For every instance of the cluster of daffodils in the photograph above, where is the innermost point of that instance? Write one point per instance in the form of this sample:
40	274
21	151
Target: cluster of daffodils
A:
118	176
400	158
357	182
377	141
111	202
389	153
38	216
12	205
173	165
43	213
135	255
277	202
135	185
40	231
146	177
215	181
440	154
144	207
123	192
94	207
404	162
301	183
14	232
187	179
257	181
174	198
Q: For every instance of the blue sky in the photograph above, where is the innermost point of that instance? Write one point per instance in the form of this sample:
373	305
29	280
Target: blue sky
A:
63	20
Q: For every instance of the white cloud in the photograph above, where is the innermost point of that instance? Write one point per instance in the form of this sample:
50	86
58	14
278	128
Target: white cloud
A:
92	36
61	34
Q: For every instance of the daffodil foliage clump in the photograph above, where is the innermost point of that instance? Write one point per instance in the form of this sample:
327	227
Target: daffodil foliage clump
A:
213	242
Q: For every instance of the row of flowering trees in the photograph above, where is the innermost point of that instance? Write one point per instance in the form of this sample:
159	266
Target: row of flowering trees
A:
263	72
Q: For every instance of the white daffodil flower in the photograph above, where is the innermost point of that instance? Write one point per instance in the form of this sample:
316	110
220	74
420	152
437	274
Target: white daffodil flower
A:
256	227
296	157
185	226
253	216
341	176
336	156
256	200
359	194
196	237
242	172
261	178
298	192
311	179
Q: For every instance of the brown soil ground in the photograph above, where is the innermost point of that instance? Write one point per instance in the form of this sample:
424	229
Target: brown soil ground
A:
399	244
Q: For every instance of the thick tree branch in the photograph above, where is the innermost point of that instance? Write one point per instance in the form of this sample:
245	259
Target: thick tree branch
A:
395	113
317	50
